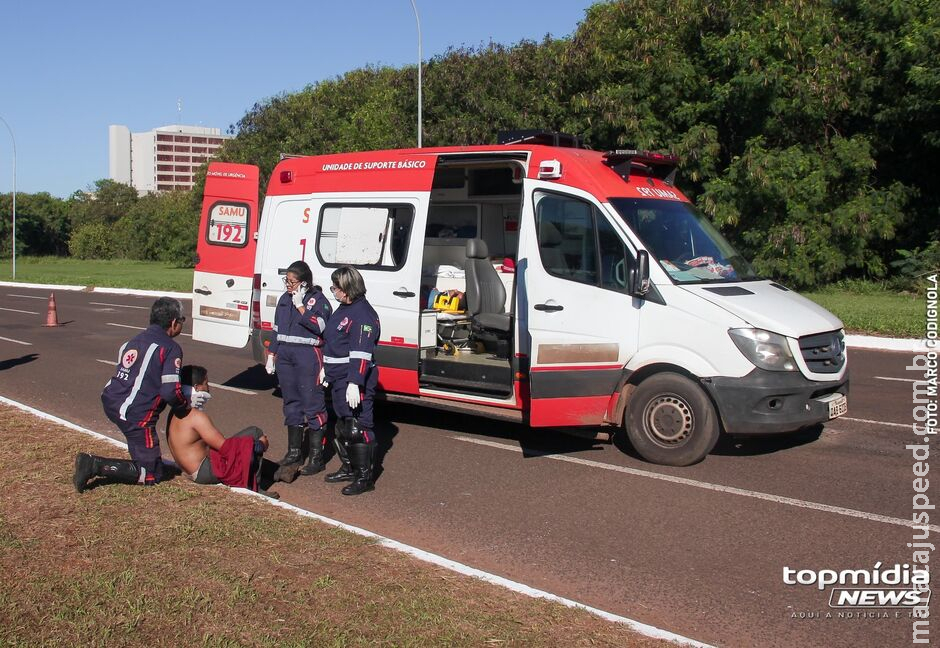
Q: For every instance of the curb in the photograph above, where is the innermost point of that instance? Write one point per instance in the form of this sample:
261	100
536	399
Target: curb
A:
425	556
97	289
909	345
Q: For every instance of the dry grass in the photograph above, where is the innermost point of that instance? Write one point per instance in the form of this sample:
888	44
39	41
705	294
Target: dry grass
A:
184	565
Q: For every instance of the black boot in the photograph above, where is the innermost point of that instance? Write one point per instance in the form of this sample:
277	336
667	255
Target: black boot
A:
345	472
293	460
295	445
122	471
360	454
315	457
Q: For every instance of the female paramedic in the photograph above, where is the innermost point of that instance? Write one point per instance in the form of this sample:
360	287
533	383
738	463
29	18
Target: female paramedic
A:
295	353
351	336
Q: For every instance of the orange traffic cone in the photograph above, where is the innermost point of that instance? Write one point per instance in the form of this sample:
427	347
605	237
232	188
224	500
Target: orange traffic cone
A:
52	319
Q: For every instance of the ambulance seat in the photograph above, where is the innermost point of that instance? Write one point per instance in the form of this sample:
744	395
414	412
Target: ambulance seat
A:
486	299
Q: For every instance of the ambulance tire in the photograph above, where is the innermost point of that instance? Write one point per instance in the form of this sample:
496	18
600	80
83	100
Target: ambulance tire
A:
671	421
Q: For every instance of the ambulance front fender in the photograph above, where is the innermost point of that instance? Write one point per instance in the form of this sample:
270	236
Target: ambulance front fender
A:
684	357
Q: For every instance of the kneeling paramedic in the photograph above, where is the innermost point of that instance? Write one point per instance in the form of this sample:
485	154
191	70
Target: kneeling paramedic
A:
296	356
351	336
146	379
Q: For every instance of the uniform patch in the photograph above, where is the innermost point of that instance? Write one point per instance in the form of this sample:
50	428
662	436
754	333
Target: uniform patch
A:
129	359
178	362
367	330
311	302
343	324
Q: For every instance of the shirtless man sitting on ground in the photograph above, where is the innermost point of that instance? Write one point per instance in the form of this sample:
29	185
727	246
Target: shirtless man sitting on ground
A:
190	438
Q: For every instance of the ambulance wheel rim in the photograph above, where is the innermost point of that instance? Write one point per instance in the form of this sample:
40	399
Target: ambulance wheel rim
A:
669	420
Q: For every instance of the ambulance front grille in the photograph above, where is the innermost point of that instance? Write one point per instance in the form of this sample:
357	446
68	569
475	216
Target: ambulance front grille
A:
823	352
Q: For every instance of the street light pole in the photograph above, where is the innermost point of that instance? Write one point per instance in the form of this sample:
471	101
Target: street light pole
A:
418	21
14	193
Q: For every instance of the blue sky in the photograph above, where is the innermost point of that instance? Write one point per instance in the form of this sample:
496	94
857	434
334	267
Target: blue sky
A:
69	69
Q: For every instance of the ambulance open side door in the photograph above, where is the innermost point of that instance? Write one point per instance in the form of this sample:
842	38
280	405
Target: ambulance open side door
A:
225	249
581	320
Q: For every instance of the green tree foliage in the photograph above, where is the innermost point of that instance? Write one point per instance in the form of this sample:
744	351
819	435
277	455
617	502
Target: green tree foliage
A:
106	204
42	224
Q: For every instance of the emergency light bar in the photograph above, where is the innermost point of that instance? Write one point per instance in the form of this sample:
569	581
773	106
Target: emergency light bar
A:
657	165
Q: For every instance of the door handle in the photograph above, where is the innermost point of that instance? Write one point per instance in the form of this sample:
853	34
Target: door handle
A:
549	308
202	291
402	292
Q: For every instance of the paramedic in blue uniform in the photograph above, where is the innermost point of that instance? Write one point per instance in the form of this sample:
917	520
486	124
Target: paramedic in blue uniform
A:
296	355
146	379
351	336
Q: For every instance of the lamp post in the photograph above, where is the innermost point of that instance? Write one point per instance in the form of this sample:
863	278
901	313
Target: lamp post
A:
418	21
14	193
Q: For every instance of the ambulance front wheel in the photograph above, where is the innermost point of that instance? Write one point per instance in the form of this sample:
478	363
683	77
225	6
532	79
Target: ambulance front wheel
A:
671	421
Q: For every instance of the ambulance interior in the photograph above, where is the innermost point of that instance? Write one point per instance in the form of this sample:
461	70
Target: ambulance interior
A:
468	276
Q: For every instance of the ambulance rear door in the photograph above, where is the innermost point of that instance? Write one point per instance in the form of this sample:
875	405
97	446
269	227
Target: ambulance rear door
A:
225	250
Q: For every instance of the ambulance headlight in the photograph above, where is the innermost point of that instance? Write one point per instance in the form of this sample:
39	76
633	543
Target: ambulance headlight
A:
764	349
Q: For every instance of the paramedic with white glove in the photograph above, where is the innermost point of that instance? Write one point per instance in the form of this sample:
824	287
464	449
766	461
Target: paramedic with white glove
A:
296	354
351	336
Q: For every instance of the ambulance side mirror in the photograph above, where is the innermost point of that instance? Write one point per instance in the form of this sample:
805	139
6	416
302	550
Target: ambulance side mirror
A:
641	278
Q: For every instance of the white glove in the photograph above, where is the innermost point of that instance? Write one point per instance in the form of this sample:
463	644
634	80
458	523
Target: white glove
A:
352	395
199	399
269	365
321	379
298	298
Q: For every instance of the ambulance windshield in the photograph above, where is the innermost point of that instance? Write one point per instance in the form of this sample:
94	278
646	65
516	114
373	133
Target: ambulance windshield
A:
687	246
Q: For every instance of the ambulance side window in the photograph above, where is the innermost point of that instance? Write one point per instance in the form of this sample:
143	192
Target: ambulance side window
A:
578	243
567	241
365	236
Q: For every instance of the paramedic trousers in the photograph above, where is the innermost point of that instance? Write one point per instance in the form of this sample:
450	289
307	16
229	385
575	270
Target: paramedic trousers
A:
143	444
298	368
367	395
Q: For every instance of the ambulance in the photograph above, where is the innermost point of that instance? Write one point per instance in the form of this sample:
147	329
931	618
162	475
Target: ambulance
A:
533	280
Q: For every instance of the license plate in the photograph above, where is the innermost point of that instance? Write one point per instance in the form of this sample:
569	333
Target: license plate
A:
838	405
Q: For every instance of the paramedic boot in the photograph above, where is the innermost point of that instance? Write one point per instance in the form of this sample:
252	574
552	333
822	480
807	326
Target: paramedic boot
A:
87	466
360	454
295	444
345	472
315	457
292	461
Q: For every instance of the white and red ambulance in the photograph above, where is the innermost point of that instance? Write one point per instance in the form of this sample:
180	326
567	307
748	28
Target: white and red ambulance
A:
591	292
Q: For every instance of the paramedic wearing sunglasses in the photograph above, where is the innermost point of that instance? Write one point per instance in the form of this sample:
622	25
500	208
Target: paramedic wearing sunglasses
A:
296	355
146	379
351	336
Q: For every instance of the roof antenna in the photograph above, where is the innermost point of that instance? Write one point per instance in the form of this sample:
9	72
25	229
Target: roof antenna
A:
179	110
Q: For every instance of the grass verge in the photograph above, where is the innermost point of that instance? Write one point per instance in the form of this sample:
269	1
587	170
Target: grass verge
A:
112	273
881	313
182	565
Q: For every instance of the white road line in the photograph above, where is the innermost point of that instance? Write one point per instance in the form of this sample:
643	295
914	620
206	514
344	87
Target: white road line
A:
234	389
140	328
27	296
778	499
120	305
857	420
212	384
16	341
420	554
15	310
897	379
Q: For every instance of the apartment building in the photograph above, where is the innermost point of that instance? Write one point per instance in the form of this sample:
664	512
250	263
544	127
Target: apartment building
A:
163	159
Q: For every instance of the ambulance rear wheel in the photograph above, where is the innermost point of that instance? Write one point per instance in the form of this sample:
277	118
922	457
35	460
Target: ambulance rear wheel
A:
671	421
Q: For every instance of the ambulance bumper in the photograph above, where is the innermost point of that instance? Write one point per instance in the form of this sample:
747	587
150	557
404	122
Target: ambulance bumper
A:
772	402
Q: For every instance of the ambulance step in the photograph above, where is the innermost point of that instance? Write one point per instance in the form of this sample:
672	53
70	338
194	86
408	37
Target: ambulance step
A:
458	407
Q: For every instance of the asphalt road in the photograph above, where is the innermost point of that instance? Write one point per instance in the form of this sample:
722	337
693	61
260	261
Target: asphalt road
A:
701	555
